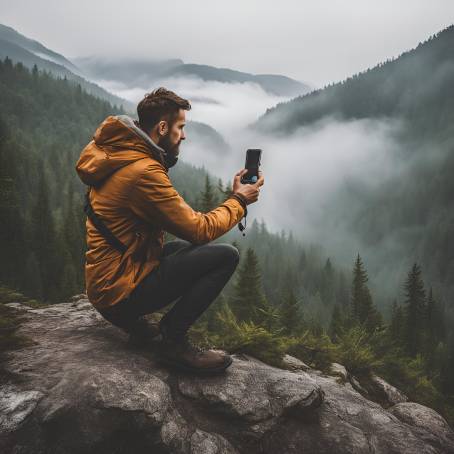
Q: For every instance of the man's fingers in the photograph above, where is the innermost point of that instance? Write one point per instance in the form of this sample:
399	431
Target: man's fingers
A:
260	181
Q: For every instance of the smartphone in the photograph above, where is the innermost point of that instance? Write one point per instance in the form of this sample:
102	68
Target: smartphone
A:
253	156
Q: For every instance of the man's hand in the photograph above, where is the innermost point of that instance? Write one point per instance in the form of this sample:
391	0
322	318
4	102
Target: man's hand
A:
250	192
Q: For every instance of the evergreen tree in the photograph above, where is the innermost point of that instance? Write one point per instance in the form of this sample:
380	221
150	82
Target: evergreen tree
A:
208	197
337	325
44	241
327	285
342	293
290	313
224	193
363	310
357	295
447	368
12	237
248	302
435	332
228	189
415	311
397	323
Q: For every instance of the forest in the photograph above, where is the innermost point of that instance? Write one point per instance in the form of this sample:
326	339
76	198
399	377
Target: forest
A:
285	297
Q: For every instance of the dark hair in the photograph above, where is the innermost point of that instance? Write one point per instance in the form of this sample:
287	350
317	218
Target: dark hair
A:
158	105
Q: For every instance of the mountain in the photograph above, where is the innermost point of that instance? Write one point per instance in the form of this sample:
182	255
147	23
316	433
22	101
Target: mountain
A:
22	49
207	136
416	86
12	36
79	386
140	73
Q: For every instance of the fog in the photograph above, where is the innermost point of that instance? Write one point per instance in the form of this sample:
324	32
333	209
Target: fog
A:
227	107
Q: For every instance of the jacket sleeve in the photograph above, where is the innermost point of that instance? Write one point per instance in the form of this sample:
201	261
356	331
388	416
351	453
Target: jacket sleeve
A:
154	199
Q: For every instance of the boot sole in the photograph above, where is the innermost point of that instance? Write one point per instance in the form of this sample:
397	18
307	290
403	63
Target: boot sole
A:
196	370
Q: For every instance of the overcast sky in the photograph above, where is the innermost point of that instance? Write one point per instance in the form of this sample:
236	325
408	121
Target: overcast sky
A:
314	41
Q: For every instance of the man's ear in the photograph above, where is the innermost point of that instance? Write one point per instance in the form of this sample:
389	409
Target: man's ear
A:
163	127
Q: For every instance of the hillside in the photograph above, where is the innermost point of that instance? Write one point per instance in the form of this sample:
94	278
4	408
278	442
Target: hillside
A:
19	48
416	86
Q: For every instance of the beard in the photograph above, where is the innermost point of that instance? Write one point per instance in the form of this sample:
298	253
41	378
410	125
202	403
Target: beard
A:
172	151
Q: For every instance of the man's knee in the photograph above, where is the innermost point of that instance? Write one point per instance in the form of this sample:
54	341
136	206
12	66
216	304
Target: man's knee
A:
231	252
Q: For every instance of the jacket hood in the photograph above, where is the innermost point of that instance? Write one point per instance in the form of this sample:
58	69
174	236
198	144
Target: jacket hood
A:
117	142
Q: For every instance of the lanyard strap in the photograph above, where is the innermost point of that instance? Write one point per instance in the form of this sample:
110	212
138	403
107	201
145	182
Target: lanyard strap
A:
102	228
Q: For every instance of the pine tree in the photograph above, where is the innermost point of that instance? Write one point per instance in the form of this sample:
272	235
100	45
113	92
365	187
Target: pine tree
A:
224	193
12	236
415	311
73	235
208	197
327	285
248	302
342	293
45	241
430	319
363	310
359	282
290	313
337	325
228	189
435	331
447	368
397	323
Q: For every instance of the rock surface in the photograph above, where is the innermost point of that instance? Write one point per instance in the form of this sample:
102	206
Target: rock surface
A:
81	388
384	393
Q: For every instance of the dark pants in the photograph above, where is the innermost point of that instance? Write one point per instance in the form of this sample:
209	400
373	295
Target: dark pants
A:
194	275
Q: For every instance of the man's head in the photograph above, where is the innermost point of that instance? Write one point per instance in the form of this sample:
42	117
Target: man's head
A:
162	116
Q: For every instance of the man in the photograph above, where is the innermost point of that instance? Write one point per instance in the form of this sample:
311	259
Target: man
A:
129	272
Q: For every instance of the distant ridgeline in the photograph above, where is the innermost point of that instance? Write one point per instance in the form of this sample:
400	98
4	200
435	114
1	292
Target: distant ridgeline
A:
417	87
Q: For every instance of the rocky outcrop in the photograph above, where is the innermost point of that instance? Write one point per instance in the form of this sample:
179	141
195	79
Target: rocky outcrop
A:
371	386
379	390
81	388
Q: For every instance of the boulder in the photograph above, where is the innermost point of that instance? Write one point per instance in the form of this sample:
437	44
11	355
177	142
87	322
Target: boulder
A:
81	387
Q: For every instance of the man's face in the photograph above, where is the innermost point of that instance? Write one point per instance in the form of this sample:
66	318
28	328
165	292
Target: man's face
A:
175	134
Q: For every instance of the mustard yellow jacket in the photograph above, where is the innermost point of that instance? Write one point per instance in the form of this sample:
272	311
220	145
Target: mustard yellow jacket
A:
132	193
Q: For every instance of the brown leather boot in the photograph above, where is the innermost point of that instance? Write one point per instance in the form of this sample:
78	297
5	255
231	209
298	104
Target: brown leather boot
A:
143	332
182	354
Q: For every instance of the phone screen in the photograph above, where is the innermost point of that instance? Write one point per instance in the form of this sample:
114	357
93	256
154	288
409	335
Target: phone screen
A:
253	156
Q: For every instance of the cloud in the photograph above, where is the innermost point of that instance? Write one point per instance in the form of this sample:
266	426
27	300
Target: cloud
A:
224	106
